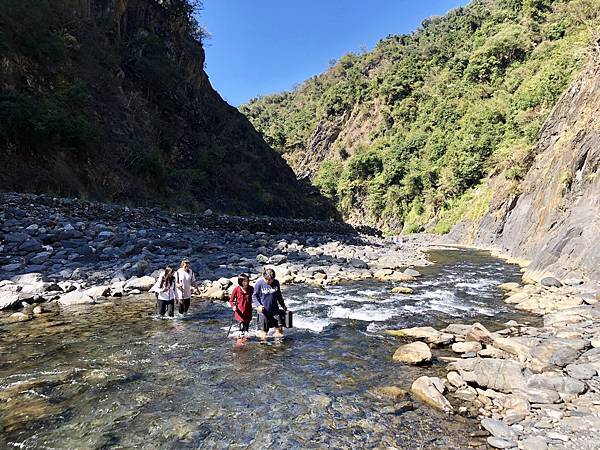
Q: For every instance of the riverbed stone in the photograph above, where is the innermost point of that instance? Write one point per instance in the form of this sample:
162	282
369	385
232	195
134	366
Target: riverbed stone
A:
478	333
75	298
510	286
8	299
392	392
466	347
455	379
500	443
498	374
581	371
498	429
142	283
402	290
413	353
424	389
427	334
534	443
412	272
19	317
550	282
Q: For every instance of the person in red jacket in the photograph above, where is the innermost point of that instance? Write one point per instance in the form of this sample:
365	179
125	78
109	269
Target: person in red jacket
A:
241	302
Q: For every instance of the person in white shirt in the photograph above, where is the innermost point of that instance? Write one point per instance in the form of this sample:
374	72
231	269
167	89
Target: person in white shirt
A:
185	280
166	292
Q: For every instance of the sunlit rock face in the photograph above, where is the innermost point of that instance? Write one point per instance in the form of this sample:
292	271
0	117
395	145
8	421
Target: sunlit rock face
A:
555	221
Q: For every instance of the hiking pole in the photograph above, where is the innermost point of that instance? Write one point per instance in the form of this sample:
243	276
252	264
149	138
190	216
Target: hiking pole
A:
233	318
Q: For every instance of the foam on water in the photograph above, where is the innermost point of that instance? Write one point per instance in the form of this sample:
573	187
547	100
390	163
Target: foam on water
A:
365	313
315	324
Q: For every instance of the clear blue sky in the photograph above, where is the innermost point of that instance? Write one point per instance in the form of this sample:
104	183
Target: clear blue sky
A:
264	46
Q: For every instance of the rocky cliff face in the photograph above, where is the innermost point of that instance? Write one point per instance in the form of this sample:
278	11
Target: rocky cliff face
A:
555	222
108	100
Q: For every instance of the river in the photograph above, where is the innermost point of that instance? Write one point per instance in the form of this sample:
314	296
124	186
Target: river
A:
115	376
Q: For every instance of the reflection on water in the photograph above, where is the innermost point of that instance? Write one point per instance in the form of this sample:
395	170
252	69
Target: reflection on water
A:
114	376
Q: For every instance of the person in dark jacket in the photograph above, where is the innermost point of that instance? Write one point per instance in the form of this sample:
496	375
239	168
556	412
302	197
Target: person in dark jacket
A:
241	302
267	299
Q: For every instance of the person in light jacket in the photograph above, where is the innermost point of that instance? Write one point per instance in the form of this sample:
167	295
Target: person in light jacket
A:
166	292
184	281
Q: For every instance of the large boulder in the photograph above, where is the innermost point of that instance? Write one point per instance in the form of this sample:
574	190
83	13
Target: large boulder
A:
498	374
413	353
479	333
98	291
75	298
8	299
425	390
144	283
277	259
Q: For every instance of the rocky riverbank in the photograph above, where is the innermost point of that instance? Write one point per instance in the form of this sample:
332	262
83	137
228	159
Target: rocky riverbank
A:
533	388
56	251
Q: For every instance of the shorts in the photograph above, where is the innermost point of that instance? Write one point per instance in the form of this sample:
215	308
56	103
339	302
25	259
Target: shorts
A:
266	321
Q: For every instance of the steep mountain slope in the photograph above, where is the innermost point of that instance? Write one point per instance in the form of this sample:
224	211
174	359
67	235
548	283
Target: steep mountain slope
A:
555	221
108	99
403	137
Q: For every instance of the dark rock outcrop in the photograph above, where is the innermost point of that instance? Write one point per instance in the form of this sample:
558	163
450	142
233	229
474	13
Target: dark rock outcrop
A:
108	100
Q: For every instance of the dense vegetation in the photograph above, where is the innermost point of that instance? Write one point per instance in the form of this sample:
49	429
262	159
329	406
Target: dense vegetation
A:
413	128
107	99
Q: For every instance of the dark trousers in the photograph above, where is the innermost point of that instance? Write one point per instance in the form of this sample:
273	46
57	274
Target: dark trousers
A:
244	325
184	305
166	306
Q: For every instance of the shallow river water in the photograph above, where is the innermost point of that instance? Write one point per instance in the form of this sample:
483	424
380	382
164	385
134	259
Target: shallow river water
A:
115	376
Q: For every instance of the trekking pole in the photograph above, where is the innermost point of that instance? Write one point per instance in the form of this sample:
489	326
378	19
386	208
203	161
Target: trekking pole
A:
233	318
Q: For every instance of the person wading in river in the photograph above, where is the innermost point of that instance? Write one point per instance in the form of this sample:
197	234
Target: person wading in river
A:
166	292
184	280
267	298
241	302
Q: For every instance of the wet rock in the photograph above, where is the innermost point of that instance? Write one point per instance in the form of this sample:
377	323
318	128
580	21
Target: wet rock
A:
19	317
509	286
392	392
412	272
424	389
413	353
402	290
